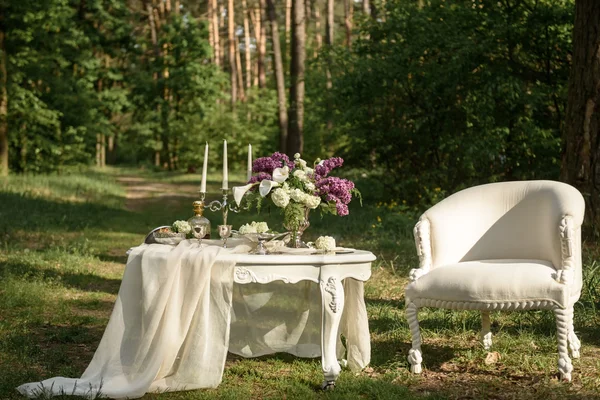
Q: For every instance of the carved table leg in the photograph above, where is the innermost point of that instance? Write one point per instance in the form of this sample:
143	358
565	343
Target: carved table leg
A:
332	300
562	332
486	333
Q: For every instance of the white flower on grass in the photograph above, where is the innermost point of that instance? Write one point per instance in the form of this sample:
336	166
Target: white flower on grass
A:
280	198
181	227
326	243
312	202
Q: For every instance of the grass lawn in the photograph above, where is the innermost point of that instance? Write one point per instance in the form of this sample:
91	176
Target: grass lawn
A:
62	254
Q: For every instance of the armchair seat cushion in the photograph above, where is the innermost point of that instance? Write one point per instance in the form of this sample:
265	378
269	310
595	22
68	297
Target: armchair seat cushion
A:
491	281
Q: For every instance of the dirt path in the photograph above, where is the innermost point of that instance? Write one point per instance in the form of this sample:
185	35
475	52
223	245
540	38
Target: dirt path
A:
141	192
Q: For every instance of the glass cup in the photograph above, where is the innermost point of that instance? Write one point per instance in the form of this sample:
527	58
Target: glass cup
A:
199	231
224	233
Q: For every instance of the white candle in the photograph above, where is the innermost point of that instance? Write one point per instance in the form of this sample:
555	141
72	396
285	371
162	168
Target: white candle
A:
249	174
225	171
204	167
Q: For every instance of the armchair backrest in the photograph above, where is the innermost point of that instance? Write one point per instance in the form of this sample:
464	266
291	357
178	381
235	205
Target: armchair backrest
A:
507	220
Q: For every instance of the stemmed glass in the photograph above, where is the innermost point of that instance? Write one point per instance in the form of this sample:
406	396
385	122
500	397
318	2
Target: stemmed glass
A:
199	231
224	233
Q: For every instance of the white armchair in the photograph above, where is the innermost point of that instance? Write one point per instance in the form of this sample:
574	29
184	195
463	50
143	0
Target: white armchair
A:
501	246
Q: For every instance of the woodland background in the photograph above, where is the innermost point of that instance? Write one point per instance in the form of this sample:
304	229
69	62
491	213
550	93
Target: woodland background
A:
426	97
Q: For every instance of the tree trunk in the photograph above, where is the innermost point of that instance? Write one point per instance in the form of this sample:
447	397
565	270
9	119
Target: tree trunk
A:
348	16
232	66
154	38
3	106
329	42
247	53
238	67
111	153
217	36
366	7
211	35
256	24
288	29
329	23
262	48
279	76
295	139
318	34
581	139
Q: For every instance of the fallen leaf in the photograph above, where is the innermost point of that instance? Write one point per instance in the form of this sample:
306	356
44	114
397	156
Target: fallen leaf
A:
492	358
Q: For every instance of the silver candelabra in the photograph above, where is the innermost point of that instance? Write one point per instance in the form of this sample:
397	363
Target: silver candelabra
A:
224	206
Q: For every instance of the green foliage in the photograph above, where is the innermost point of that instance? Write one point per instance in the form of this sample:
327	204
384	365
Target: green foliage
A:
455	94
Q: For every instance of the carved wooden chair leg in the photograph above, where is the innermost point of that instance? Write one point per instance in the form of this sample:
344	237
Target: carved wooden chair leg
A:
414	354
562	332
574	343
486	332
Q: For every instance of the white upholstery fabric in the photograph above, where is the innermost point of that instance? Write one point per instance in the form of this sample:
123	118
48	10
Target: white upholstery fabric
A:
510	245
491	281
517	220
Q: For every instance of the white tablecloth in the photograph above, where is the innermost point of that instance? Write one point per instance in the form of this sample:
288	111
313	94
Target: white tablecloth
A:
171	324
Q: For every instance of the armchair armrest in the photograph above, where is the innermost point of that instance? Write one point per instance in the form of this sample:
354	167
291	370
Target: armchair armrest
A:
422	233
566	270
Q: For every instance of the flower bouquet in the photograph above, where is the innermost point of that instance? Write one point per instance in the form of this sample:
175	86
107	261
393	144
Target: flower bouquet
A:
296	188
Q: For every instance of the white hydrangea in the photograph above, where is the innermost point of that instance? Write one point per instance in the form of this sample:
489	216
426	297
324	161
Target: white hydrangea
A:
247	228
297	195
280	198
312	202
310	186
326	243
261	227
254	227
181	226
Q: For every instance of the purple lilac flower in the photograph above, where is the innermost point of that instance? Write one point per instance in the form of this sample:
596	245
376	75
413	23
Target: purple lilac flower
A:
327	165
341	209
337	190
282	160
259	177
268	164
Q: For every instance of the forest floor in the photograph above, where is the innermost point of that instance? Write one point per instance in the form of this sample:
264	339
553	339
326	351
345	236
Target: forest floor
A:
62	255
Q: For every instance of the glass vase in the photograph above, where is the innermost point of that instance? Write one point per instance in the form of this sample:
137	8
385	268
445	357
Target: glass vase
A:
296	230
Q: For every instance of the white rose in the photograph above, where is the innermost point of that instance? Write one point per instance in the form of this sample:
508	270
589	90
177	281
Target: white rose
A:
300	174
297	156
280	198
326	243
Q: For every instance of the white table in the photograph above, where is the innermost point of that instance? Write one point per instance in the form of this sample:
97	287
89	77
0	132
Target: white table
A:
328	271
